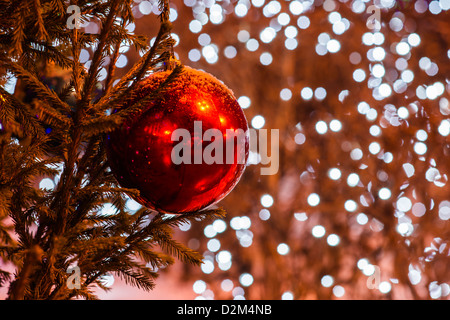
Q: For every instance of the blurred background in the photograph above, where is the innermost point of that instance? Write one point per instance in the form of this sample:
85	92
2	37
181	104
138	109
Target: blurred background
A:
360	205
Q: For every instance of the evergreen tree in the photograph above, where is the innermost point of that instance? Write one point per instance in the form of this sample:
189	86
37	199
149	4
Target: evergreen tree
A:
56	127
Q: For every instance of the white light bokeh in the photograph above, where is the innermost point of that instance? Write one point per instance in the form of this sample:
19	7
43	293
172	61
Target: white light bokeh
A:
244	102
318	231
334	173
306	93
47	184
267	200
258	122
313	199
246	279
283	249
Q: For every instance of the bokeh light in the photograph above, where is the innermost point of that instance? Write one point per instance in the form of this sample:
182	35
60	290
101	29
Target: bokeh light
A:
364	125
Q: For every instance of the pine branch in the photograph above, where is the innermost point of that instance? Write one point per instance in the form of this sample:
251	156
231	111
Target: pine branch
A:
165	10
70	226
179	219
5	277
94	154
57	7
137	71
99	52
155	259
85	292
142	277
42	91
19	30
42	32
101	125
106	124
112	69
50	116
67	90
19	286
14	108
173	247
159	230
109	192
46	52
5	236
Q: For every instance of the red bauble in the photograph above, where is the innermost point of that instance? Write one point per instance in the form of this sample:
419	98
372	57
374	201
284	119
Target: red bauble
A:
178	170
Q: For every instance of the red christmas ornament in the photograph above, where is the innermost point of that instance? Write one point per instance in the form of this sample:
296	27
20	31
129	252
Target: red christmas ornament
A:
187	149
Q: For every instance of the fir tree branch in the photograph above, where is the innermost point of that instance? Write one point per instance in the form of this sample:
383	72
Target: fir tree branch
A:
136	73
5	236
42	91
50	116
99	52
19	30
77	68
179	219
141	278
93	150
108	191
5	277
155	259
165	10
57	7
111	69
71	227
173	247
18	287
13	107
42	32
105	124
46	52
